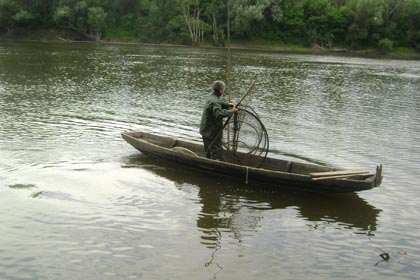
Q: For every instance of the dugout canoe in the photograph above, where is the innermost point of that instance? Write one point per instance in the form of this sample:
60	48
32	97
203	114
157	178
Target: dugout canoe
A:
277	173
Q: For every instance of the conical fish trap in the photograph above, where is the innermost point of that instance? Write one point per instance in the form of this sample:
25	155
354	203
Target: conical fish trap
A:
245	139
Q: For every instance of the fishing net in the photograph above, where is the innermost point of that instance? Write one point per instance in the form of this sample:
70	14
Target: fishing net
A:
245	138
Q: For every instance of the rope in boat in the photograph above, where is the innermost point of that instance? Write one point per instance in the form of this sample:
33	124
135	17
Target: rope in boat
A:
246	176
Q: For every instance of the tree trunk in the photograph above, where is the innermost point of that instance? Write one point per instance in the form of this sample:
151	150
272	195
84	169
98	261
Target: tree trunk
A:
228	23
215	31
188	22
193	24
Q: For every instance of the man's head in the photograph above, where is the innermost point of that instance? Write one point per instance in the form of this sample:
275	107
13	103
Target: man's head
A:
219	86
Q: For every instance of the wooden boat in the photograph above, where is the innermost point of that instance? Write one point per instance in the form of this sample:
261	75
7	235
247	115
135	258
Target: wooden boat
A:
273	172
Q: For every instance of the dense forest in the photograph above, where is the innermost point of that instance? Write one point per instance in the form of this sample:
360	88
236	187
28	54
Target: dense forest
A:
351	24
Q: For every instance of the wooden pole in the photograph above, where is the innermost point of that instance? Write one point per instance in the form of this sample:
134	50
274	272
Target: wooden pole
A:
337	177
337	174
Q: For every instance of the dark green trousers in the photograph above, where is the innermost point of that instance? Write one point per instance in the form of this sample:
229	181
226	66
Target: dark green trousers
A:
215	151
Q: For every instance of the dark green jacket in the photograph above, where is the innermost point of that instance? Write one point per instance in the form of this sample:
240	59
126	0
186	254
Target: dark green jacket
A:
212	119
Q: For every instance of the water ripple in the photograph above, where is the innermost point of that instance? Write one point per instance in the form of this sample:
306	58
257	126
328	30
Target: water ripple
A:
77	202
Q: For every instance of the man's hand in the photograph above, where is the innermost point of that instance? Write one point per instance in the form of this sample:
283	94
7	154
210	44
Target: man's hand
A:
233	105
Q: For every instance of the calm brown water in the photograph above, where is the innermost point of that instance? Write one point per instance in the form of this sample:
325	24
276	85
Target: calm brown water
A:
77	202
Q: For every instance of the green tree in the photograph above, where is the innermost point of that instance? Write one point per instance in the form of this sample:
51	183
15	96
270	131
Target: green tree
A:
246	14
82	17
191	11
384	24
410	22
154	22
178	31
72	15
25	13
367	19
215	12
96	21
9	14
385	45
23	18
293	24
323	22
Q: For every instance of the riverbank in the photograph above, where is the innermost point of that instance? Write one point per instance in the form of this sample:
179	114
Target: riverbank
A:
53	35
42	35
398	53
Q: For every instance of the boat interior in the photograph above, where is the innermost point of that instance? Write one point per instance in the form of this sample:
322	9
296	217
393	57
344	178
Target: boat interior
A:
195	149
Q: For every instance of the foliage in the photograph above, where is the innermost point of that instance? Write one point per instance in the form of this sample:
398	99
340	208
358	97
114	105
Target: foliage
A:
383	24
323	22
178	30
385	45
247	13
96	21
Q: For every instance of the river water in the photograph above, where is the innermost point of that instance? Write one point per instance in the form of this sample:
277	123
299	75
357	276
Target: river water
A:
77	202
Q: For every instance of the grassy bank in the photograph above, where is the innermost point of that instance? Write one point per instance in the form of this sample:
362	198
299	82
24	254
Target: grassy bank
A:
397	53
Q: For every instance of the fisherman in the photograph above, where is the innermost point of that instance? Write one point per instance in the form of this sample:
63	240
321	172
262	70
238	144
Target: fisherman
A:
211	126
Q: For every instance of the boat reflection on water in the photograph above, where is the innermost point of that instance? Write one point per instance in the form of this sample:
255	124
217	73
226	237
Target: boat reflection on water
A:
237	206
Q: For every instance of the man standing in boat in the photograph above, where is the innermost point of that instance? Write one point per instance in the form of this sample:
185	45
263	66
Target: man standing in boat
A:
211	126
